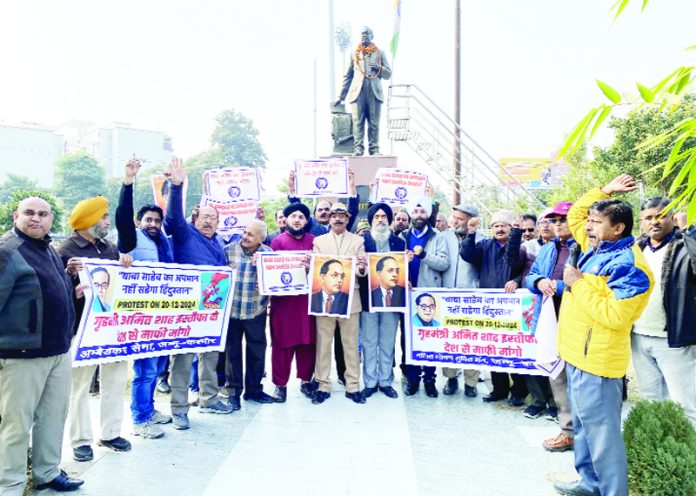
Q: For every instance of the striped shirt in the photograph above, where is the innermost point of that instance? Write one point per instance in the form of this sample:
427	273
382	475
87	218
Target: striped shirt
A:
247	303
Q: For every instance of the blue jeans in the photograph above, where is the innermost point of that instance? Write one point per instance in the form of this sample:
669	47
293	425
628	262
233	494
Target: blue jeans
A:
145	372
600	454
378	331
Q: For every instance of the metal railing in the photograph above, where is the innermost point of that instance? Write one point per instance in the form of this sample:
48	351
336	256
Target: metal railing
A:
416	120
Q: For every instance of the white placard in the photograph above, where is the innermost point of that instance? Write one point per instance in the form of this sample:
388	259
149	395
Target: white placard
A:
232	184
234	216
398	188
321	178
282	273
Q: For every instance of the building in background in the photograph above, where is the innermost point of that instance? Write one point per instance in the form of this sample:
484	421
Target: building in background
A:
534	173
31	149
113	144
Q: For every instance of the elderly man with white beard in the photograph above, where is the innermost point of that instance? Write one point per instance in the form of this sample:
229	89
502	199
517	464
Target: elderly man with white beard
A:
460	274
379	328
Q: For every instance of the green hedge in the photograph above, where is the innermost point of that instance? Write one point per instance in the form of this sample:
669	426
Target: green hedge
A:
661	450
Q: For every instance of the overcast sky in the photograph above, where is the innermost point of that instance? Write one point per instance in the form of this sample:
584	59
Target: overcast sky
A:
528	66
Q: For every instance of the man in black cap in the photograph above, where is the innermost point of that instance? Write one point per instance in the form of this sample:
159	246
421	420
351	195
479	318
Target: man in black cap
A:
293	334
379	328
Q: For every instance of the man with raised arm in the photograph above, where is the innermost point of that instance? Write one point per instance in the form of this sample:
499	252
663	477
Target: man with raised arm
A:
195	244
145	241
605	294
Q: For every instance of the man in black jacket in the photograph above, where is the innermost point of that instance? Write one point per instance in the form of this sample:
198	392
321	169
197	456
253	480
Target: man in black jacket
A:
663	342
36	318
500	261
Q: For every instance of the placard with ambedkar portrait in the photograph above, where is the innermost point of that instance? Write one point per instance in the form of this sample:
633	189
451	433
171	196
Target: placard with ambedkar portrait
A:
333	283
388	279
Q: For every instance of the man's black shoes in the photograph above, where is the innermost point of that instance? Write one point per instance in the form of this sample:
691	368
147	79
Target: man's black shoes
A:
412	388
61	484
451	386
83	453
320	397
115	444
356	397
431	390
281	394
389	391
261	397
369	391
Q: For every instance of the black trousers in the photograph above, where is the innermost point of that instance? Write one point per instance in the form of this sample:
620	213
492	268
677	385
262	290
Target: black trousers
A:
502	388
338	355
540	389
254	331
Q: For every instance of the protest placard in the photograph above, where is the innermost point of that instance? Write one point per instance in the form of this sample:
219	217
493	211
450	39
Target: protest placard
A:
234	216
282	273
333	283
398	188
232	184
160	191
321	178
388	277
481	329
151	309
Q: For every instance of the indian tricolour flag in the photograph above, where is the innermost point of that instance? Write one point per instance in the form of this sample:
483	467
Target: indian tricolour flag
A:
397	28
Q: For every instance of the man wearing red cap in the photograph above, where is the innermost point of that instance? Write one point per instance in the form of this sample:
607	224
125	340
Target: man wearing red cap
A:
546	279
90	221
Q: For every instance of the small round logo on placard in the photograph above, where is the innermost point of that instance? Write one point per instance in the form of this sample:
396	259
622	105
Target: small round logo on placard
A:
234	191
400	192
231	221
321	183
286	278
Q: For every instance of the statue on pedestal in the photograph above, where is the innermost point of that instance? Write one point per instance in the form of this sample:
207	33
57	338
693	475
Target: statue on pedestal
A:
362	88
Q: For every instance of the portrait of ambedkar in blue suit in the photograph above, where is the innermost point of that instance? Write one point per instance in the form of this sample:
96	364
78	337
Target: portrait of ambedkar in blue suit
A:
389	293
331	299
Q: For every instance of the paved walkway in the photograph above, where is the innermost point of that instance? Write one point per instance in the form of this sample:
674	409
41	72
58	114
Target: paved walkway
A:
451	445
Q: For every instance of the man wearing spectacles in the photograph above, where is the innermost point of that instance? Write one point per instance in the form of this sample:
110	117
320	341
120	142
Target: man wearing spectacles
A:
196	244
91	222
546	278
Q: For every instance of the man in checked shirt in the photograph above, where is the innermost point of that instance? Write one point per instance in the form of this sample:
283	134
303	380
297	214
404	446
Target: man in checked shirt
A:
247	318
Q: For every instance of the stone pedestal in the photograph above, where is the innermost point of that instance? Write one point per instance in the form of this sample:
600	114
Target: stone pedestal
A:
365	169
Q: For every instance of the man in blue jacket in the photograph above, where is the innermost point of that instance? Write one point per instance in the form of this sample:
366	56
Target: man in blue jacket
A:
195	244
427	254
500	261
546	279
36	318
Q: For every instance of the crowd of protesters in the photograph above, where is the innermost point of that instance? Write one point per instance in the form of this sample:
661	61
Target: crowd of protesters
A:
614	296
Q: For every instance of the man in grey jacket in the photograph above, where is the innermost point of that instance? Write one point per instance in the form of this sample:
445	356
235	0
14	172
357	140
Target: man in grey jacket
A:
460	274
428	260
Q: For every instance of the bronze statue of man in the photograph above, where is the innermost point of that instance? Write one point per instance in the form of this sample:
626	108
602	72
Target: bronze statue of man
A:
363	87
